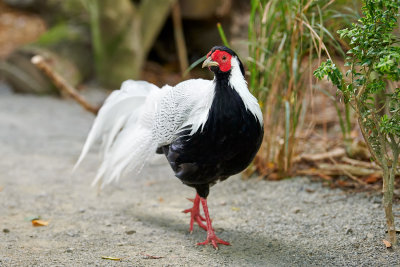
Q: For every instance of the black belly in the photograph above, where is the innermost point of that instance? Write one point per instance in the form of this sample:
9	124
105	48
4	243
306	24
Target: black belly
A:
227	144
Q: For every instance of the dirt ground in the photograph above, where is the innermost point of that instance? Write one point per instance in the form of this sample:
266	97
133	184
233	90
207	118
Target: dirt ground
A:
293	222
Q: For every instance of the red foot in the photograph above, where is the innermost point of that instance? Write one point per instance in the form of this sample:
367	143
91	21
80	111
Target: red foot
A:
195	215
211	237
214	240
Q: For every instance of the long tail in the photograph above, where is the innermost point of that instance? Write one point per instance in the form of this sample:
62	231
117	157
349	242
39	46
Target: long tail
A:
123	124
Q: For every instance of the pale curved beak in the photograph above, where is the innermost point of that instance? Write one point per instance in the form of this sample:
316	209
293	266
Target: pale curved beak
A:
209	63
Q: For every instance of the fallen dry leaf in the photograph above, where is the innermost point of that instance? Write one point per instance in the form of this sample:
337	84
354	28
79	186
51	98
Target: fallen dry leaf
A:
372	178
111	258
39	223
387	243
1	188
270	165
342	183
235	208
274	176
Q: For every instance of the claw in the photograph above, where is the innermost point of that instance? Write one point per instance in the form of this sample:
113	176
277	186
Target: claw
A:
211	236
186	211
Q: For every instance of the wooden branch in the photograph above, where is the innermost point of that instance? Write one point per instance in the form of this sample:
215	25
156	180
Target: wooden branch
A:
326	170
368	165
349	174
335	153
62	84
340	169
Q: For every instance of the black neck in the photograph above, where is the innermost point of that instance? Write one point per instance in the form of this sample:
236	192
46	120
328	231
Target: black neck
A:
222	79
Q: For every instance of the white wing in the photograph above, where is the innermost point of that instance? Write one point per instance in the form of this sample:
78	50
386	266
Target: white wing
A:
185	105
140	117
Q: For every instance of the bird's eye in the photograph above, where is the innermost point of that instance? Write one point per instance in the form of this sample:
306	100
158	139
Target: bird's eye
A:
224	58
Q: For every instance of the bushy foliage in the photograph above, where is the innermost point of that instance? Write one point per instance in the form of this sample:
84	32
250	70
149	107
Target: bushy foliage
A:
373	63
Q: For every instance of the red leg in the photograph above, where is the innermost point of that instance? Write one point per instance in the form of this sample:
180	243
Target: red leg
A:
211	236
195	214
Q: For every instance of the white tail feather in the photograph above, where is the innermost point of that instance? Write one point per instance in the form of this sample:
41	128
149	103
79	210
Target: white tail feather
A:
131	150
118	127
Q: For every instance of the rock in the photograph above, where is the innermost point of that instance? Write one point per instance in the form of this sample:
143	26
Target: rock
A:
296	210
377	200
349	231
18	28
24	77
5	230
130	232
73	233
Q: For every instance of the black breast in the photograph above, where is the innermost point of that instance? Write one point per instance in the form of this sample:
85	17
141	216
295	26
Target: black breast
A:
227	144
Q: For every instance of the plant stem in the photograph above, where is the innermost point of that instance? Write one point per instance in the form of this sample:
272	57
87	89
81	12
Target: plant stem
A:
388	185
388	198
348	120
357	107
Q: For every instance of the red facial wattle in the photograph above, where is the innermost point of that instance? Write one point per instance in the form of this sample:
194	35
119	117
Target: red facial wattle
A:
223	58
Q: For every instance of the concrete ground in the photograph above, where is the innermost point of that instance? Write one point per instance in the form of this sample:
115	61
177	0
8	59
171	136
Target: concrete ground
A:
293	222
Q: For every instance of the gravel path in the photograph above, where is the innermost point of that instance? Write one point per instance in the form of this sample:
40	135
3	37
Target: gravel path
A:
289	223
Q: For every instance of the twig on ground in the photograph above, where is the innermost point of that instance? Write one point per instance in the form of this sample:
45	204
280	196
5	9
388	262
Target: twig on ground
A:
335	153
339	169
147	256
62	84
314	172
360	163
351	176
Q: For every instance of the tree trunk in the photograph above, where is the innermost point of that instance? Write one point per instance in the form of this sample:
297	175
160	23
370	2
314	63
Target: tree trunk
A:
124	35
388	186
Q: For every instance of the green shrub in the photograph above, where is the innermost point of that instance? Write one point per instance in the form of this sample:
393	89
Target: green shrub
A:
373	63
